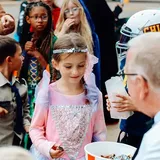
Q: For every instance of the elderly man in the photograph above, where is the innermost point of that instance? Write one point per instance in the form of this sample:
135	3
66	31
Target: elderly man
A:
7	22
143	71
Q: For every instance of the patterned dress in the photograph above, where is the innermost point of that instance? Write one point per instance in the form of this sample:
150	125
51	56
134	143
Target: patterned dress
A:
67	121
32	70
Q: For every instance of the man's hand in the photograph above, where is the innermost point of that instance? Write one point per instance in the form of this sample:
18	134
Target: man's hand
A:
108	104
125	103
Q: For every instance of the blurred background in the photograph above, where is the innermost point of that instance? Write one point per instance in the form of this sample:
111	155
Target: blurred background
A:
129	8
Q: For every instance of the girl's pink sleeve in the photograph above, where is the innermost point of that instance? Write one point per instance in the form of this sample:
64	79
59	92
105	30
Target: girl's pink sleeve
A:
37	130
100	130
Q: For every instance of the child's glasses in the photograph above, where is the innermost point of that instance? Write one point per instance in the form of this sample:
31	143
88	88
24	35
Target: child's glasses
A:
43	18
72	10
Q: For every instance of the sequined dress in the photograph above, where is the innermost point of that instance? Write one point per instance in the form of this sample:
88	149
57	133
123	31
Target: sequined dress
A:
65	120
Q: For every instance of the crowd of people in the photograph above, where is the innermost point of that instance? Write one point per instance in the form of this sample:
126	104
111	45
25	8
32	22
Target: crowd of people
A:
53	100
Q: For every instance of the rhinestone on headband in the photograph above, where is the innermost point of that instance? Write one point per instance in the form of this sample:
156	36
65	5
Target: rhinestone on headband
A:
71	50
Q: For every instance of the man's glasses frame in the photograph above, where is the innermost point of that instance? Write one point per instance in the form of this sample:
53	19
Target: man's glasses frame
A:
130	74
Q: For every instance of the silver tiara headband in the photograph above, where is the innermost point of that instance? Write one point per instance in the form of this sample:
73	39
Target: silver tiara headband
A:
71	50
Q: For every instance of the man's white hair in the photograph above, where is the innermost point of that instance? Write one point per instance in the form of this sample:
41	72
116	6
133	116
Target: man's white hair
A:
145	58
14	153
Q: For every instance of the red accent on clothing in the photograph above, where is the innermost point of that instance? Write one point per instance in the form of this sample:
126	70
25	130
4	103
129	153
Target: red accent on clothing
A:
55	15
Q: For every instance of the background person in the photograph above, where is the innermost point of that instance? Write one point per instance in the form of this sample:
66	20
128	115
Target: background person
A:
73	19
104	21
14	108
14	153
85	27
7	22
36	45
133	128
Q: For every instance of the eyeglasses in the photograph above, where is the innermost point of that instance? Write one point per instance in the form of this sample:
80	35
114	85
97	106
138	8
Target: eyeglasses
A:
130	74
43	18
72	10
127	74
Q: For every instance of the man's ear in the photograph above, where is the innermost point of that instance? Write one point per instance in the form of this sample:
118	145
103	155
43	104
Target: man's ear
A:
143	87
55	64
28	19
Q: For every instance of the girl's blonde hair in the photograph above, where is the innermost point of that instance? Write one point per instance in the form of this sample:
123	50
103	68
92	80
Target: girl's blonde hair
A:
83	27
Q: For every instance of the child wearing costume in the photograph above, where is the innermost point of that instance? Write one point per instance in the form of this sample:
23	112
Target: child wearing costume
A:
68	112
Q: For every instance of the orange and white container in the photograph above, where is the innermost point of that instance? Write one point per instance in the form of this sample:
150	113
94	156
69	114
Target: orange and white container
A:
94	150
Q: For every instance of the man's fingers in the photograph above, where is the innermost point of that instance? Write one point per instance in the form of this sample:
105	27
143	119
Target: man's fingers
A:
122	108
121	96
122	101
108	108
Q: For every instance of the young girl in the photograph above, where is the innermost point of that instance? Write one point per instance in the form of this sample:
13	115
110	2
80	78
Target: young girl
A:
73	19
55	14
68	113
7	22
84	25
36	44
